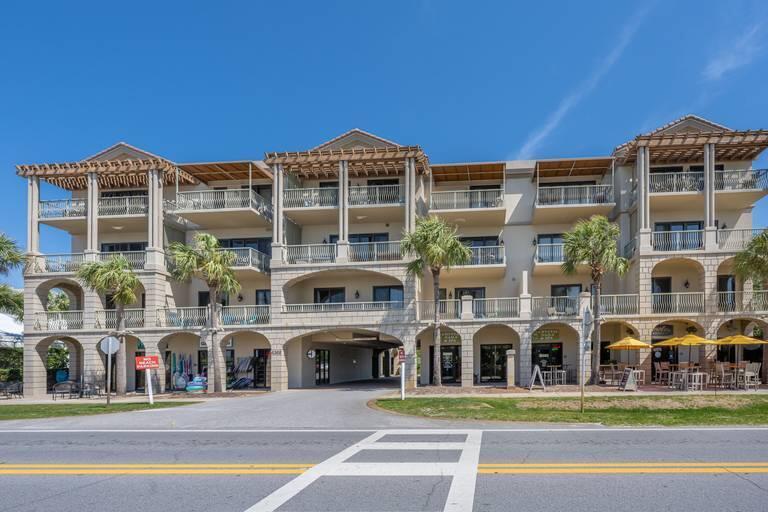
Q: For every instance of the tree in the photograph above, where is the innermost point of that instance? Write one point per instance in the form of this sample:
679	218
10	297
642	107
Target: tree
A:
593	243
116	278
57	301
436	247
205	260
11	257
752	261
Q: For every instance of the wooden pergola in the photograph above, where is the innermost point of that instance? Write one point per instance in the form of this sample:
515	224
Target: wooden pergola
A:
689	147
323	163
475	171
573	167
111	173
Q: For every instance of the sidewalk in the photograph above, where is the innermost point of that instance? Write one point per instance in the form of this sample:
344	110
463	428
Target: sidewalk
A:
134	398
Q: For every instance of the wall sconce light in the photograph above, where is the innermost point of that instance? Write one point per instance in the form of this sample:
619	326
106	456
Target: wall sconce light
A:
450	295
687	284
535	242
239	297
357	294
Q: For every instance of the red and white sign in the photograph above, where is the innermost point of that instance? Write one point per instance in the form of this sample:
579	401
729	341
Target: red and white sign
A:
147	362
401	354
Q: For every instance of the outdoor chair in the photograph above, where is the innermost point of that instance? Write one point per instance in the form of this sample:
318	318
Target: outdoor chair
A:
662	375
752	376
13	390
66	389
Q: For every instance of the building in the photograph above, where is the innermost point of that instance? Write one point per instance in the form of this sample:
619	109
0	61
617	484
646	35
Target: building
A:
325	293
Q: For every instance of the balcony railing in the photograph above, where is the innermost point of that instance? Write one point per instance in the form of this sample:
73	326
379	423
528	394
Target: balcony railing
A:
376	195
466	199
678	240
489	255
752	302
736	239
107	318
543	307
247	257
58	263
128	205
448	309
496	308
230	199
549	253
58	320
245	315
666	182
626	304
137	259
334	307
685	302
183	317
310	197
375	251
575	195
61	208
310	254
742	179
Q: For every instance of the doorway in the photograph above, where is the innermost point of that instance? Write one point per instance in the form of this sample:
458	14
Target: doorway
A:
493	362
322	367
260	365
450	359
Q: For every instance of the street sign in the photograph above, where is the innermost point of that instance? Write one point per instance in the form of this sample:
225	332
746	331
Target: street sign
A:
109	345
401	354
147	362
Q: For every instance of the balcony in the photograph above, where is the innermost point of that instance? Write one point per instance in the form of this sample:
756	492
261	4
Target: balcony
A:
310	254
620	305
183	318
137	259
128	213
676	191
375	251
56	263
735	188
309	206
223	208
344	314
245	315
748	302
496	308
487	261
554	307
736	239
448	309
66	214
671	241
377	203
249	260
59	321
343	307
673	303
552	203
107	318
475	206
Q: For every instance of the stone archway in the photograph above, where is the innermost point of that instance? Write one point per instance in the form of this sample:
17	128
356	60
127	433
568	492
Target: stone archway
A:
452	356
181	356
557	344
57	358
490	345
246	360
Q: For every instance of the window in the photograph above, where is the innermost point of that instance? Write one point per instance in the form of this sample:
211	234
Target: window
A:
549	248
264	191
263	245
203	298
388	294
123	193
381	181
565	290
329	184
123	246
263	297
362	238
666	168
476	293
565	183
329	295
700	168
480	241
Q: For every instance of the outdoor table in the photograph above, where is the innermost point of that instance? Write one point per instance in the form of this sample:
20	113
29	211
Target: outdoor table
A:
639	376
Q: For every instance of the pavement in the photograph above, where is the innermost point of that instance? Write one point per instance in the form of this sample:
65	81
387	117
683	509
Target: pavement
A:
325	450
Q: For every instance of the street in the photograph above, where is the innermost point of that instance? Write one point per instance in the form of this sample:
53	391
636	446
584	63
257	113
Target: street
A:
325	450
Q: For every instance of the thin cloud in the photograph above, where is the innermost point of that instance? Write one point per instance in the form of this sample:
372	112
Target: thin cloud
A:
741	53
535	139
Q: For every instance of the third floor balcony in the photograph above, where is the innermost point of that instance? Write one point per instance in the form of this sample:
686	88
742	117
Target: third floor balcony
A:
484	206
312	254
557	202
126	212
222	208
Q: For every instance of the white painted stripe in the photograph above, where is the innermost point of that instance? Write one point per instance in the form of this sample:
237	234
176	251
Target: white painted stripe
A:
393	469
367	430
301	482
461	496
394	445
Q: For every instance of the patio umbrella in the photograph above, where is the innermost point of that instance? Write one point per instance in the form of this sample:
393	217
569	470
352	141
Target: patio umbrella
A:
740	340
628	343
689	340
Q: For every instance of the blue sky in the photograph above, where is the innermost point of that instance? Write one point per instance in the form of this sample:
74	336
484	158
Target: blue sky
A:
467	81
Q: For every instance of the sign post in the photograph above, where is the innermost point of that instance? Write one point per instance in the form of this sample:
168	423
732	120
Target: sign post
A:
401	356
586	332
148	363
109	345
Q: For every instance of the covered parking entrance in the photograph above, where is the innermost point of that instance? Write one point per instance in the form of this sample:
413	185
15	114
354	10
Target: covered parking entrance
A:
339	356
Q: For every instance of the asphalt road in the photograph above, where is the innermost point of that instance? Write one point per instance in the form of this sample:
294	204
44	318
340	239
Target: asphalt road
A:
350	458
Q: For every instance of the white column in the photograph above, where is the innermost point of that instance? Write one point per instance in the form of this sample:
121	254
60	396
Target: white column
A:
342	245
277	214
92	216
526	302
33	212
408	193
155	239
410	198
642	170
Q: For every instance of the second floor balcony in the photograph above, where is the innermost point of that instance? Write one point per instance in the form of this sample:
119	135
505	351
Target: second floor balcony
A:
223	208
485	261
485	206
671	241
552	203
69	263
675	182
736	239
248	260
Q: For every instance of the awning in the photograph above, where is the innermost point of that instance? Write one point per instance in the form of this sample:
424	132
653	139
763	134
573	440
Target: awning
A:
234	170
475	171
565	167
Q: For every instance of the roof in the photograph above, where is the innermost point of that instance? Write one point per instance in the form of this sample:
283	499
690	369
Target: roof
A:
355	138
230	170
124	147
469	171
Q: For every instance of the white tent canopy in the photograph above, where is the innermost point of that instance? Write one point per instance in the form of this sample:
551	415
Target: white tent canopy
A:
11	331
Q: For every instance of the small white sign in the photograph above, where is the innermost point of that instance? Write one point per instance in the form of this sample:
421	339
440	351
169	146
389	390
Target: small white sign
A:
109	345
310	354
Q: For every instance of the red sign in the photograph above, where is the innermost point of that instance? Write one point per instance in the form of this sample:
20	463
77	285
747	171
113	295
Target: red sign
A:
401	354
147	362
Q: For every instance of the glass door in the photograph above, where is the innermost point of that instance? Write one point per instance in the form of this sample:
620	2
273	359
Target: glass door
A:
261	367
493	362
322	367
450	362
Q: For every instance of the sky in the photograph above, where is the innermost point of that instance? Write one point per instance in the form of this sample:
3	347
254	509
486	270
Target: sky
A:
479	80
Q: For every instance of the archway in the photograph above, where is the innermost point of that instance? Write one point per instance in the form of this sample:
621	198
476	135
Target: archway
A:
490	345
614	330
339	356
730	289
556	345
748	326
677	286
676	355
181	359
247	359
347	285
450	355
62	359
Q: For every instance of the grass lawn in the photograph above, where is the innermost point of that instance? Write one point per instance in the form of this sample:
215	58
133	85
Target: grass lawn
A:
623	410
35	411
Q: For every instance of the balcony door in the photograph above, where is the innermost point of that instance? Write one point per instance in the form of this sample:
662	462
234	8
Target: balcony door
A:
329	295
550	248
388	294
661	285
475	293
682	236
565	298
726	296
483	200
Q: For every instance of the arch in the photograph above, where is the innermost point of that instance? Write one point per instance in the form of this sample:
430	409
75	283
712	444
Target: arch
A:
450	348
339	356
299	289
181	355
741	325
684	274
72	288
614	330
489	345
66	355
246	355
677	327
749	326
557	343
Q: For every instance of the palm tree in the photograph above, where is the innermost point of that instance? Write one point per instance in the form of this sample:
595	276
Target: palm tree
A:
752	262
206	261
116	278
436	247
57	301
11	257
593	243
